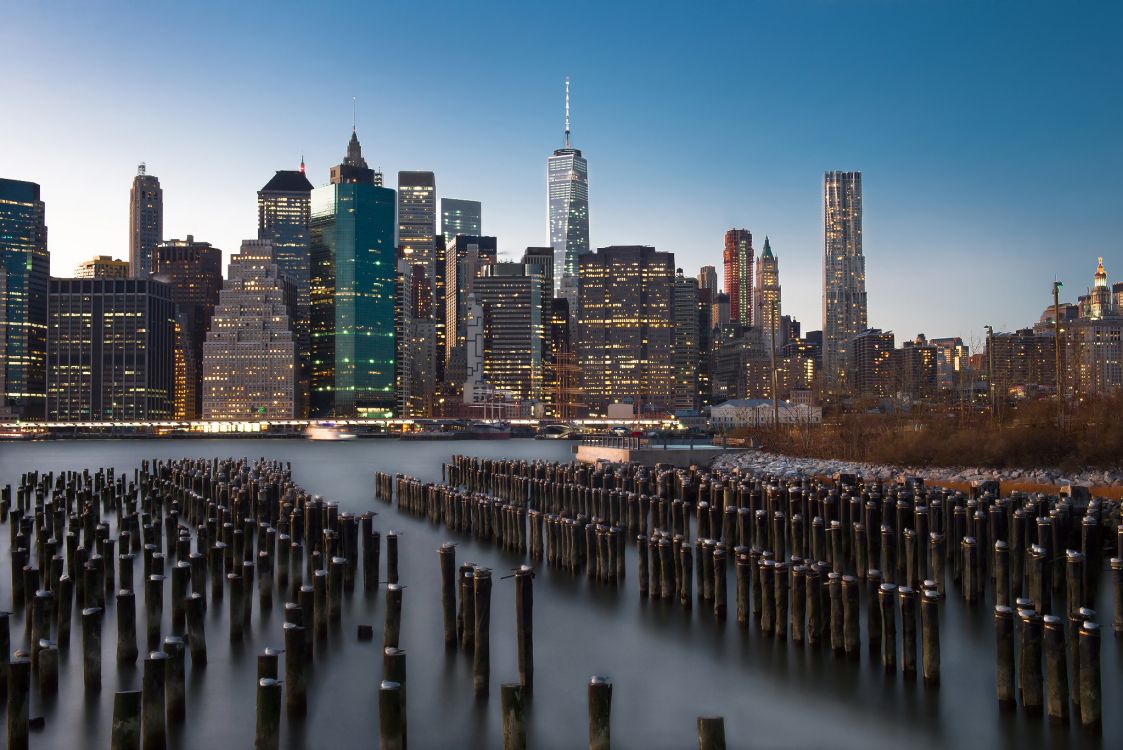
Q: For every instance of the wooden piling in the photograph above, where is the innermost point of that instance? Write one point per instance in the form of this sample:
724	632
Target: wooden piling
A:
524	627
125	732
514	720
153	726
600	710
481	656
296	687
1091	699
267	735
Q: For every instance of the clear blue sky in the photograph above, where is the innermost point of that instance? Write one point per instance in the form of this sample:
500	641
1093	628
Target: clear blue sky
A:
988	132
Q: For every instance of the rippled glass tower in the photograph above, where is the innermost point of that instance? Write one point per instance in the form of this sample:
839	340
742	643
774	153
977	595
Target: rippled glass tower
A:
567	183
844	274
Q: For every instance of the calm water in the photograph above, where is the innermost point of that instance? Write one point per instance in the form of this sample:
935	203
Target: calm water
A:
667	666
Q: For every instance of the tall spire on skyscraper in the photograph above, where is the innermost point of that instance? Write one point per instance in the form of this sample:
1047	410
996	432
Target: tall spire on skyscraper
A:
567	111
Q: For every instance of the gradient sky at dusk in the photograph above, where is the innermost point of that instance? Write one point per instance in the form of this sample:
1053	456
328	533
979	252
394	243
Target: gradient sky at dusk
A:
988	133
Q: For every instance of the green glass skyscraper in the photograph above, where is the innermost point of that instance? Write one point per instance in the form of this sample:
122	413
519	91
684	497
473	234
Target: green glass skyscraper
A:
352	293
23	301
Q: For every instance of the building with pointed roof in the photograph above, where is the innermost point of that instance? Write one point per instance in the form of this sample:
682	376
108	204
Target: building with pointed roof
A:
766	292
567	198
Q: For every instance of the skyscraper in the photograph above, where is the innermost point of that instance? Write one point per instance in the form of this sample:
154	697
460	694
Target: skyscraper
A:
463	261
767	291
352	292
844	274
250	357
625	340
738	257
417	218
23	300
194	272
111	351
686	343
515	316
707	279
284	211
146	221
460	217
567	191
102	267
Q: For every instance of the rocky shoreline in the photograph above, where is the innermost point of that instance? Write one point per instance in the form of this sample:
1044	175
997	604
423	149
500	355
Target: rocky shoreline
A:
787	466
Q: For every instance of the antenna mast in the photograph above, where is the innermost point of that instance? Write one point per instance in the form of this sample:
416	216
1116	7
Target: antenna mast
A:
567	111
354	114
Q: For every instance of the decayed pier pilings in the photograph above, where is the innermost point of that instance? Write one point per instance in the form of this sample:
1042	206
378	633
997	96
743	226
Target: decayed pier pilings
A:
806	552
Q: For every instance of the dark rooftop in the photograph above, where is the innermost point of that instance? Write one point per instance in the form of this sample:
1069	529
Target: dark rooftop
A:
288	181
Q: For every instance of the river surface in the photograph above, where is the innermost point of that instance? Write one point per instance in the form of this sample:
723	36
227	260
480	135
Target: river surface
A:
667	666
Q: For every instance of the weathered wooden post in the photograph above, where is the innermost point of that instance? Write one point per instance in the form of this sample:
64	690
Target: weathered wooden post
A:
125	734
127	651
600	709
267	734
888	618
907	597
447	556
154	609
296	687
711	733
390	716
1091	700
514	721
1029	663
237	608
153	726
91	647
1004	668
930	635
481	657
196	629
1056	670
19	688
394	670
524	627
851	629
391	629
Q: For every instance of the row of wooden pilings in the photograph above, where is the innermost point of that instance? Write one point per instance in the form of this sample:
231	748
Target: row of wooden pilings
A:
222	531
807	579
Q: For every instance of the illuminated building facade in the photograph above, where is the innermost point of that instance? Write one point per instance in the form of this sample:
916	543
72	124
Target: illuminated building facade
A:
352	293
766	294
250	368
111	350
284	212
102	267
738	256
146	221
23	300
871	354
685	394
625	339
567	198
515	315
463	261
460	217
844	275
916	365
193	270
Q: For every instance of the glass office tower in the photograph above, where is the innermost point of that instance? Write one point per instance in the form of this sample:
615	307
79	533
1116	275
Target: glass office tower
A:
23	300
352	298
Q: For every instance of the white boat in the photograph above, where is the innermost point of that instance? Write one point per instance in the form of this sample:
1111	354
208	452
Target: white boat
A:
327	432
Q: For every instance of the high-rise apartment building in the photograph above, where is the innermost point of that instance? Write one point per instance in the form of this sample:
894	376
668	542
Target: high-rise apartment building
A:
352	292
625	340
542	259
23	300
102	267
284	212
417	218
513	297
707	279
250	362
871	353
415	373
766	294
844	274
719	311
463	261
146	221
567	196
193	270
687	364
738	256
562	389
916	366
460	217
111	350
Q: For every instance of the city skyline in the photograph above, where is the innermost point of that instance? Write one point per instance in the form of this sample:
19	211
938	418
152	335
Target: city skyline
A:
936	150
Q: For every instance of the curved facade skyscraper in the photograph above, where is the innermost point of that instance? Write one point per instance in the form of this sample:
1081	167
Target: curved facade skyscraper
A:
567	191
844	274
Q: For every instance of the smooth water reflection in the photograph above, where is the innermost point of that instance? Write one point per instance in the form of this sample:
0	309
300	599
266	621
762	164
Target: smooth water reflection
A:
668	666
